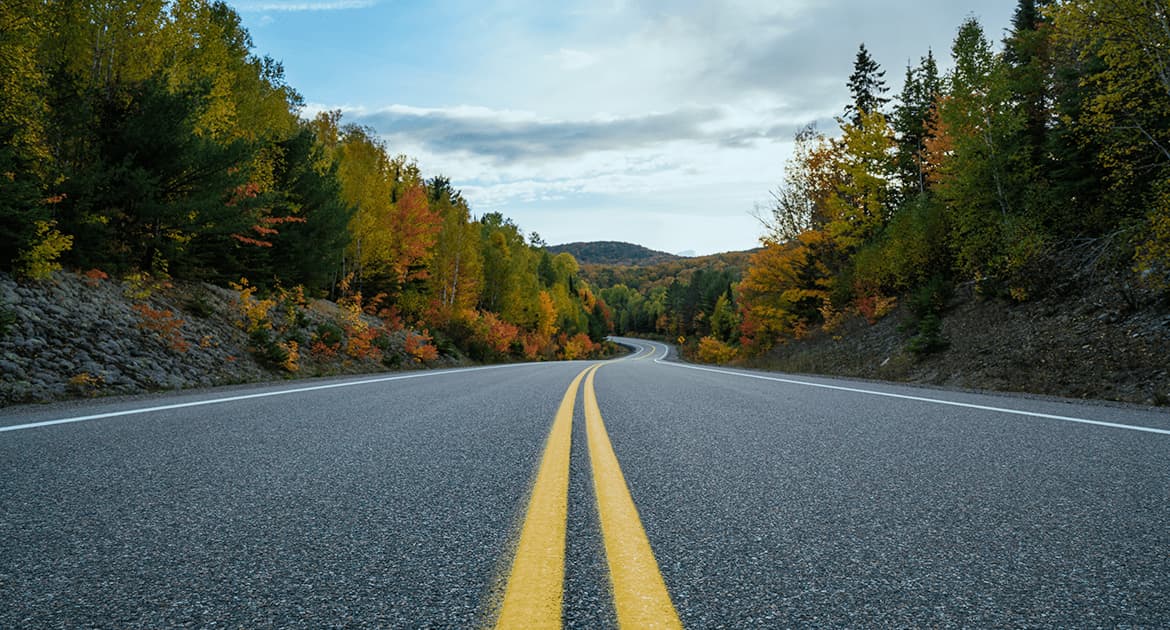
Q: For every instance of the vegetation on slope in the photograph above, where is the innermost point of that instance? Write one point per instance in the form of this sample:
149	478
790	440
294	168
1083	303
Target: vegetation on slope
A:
146	141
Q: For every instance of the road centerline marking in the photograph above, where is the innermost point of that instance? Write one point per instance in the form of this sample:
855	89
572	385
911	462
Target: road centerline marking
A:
640	596
534	594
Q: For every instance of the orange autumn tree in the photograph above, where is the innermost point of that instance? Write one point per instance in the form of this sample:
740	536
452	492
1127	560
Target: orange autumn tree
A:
783	291
415	228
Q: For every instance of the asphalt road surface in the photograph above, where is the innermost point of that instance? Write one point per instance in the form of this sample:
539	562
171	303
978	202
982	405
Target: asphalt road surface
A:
459	498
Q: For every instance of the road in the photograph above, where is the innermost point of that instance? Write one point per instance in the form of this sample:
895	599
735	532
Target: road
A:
694	496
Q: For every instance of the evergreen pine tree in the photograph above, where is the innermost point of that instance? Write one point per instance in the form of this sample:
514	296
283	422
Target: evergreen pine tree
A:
915	105
867	84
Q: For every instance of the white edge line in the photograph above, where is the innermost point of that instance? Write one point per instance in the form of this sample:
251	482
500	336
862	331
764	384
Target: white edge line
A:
936	401
282	392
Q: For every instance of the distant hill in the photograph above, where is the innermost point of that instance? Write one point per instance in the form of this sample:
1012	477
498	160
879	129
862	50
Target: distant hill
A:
645	276
612	253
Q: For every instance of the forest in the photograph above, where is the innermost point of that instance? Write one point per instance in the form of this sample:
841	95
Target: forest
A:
147	140
1025	164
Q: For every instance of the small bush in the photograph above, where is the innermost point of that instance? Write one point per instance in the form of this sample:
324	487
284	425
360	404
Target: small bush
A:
330	334
926	305
711	350
39	261
199	304
86	384
419	347
273	352
94	277
930	298
929	338
164	324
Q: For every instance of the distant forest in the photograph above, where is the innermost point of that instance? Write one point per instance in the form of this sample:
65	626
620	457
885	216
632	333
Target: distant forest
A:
612	253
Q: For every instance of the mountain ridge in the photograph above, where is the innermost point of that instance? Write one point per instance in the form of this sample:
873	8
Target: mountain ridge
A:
612	253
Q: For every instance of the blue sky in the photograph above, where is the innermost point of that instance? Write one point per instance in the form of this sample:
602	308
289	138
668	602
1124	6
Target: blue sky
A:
660	123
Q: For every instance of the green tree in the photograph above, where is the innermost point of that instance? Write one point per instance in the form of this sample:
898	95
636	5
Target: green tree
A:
981	177
310	246
159	190
867	85
724	322
510	286
861	201
456	270
920	93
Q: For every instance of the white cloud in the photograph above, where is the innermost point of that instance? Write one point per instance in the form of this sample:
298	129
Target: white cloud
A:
671	118
571	59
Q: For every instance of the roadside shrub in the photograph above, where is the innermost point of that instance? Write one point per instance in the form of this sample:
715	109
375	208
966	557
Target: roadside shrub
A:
274	352
926	304
711	350
39	260
392	360
930	298
1152	258
929	338
199	304
330	334
164	324
94	277
86	384
419	346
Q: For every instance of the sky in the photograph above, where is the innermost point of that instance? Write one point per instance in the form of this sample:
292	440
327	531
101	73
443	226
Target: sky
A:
659	123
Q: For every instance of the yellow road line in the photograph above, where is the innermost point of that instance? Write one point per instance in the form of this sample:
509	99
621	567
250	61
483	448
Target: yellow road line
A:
639	592
534	593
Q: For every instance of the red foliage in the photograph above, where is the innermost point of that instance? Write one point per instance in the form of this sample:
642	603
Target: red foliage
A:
419	346
251	241
164	324
93	277
416	227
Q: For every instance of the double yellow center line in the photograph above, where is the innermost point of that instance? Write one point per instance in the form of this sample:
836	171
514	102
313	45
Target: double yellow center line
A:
535	590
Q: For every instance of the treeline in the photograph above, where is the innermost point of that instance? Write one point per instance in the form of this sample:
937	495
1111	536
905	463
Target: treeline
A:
684	297
1049	155
146	138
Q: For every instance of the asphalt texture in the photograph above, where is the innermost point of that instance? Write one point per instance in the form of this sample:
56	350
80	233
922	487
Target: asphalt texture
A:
397	504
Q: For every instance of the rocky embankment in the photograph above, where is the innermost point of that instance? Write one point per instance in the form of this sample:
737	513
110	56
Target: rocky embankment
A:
76	335
1099	339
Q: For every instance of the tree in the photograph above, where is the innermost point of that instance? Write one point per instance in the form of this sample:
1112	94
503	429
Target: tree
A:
810	178
309	250
362	170
866	85
1128	105
859	204
456	269
920	93
724	323
783	291
158	190
510	285
979	172
412	224
1028	63
1123	48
